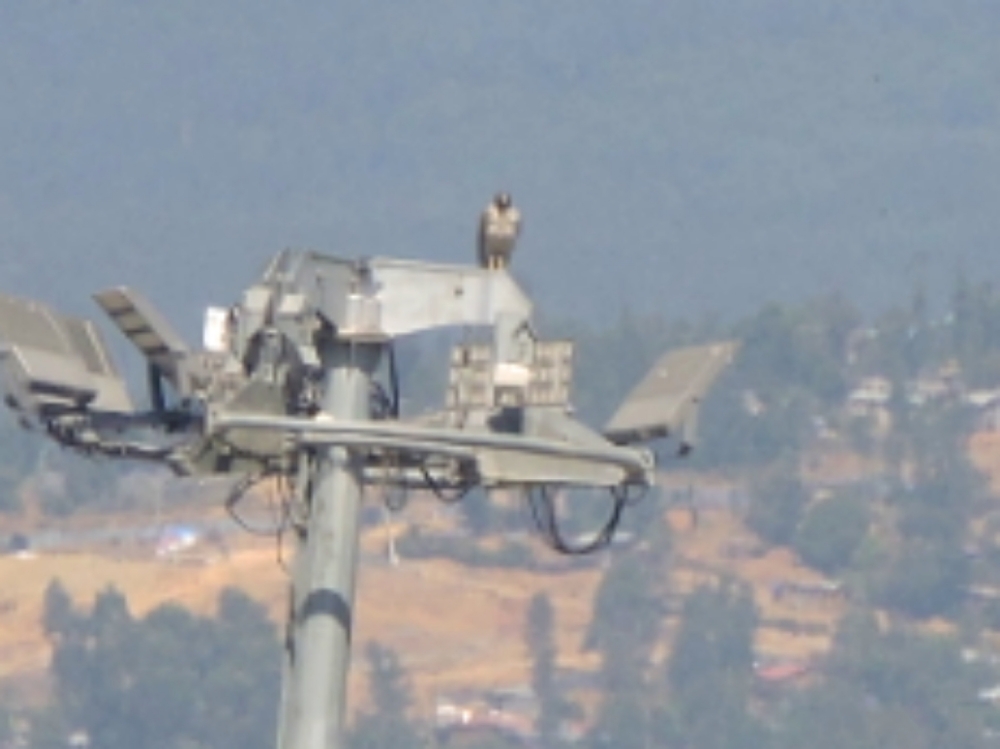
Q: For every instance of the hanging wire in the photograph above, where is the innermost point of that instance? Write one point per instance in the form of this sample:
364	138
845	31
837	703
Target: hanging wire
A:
238	492
286	499
627	495
394	391
297	513
449	498
545	514
385	403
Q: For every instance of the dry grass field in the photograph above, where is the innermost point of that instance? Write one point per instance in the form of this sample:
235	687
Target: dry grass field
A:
455	627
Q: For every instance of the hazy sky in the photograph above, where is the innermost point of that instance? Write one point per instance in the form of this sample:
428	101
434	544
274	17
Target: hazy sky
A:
683	157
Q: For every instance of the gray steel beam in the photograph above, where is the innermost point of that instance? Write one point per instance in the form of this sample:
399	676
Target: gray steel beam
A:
636	462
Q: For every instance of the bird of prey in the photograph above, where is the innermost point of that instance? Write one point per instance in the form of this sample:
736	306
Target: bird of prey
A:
499	227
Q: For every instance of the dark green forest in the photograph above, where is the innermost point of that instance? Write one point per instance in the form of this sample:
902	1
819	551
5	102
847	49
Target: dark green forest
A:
170	679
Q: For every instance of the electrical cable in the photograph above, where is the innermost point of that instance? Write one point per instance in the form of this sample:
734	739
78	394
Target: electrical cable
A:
237	493
545	515
439	491
622	492
385	403
394	392
380	402
298	519
281	512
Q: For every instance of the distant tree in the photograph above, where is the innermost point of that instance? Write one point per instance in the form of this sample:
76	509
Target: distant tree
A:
926	578
6	726
710	670
975	328
478	512
785	349
386	725
831	532
792	366
539	635
625	620
893	348
831	717
82	482
91	670
239	702
930	569
734	433
19	451
715	635
623	629
622	722
487	739
920	520
889	688
714	714
777	501
651	529
58	618
947	490
171	679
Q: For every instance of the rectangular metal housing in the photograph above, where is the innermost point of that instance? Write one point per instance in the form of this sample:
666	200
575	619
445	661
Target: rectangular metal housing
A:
53	362
146	328
670	393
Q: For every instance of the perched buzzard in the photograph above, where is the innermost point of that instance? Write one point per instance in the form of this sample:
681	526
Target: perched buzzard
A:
499	226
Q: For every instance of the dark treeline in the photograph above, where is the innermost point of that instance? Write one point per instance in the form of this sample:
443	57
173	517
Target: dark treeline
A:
167	680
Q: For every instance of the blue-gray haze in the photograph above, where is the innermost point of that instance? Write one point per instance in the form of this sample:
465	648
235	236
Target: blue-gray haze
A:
677	156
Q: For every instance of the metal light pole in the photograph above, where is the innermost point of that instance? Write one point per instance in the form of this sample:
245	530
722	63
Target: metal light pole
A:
323	588
283	389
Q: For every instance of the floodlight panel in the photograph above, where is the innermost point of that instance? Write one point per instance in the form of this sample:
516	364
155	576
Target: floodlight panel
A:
45	373
27	323
53	361
145	327
111	391
672	388
86	341
42	382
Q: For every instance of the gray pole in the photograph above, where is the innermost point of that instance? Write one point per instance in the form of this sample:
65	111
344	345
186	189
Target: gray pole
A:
323	590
